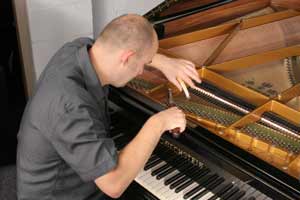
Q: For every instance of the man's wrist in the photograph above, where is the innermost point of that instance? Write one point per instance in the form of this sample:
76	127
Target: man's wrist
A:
156	124
158	61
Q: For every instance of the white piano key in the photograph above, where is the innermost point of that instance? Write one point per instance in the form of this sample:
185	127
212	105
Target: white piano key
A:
201	190
156	184
186	190
141	173
153	185
163	192
166	188
207	196
149	171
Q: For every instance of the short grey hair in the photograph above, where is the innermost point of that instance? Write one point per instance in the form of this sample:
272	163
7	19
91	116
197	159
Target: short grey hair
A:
128	31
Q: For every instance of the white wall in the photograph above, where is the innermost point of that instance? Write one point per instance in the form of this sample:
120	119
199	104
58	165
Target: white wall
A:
54	22
106	10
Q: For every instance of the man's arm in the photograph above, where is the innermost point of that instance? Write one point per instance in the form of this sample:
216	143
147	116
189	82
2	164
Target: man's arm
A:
175	69
134	156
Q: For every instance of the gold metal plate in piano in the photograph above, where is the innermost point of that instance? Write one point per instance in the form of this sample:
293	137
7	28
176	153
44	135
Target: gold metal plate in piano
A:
271	78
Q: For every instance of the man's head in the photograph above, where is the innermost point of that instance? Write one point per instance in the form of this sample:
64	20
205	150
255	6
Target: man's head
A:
122	49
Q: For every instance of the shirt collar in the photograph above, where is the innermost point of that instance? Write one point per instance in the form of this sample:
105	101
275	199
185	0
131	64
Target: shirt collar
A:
91	79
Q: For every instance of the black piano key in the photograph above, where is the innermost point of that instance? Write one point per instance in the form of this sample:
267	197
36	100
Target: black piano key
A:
238	195
169	170
162	152
230	193
160	169
159	149
204	181
152	164
152	158
165	167
170	180
183	166
178	182
187	175
195	177
209	187
168	157
165	173
221	190
184	185
191	181
178	162
173	178
214	185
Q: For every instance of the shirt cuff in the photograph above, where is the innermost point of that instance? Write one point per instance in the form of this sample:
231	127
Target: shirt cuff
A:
100	169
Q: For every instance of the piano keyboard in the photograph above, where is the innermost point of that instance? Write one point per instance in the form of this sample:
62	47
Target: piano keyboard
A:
171	177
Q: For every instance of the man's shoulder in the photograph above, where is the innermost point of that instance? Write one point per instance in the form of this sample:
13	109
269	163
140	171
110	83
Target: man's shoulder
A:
71	47
63	76
79	42
65	57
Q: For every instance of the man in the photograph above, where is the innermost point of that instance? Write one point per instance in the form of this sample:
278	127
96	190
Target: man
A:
64	151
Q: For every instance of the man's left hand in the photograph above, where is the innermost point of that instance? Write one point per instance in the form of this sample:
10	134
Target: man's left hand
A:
175	69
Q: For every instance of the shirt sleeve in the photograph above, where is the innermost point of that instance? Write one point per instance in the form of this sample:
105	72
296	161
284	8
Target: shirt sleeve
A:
81	140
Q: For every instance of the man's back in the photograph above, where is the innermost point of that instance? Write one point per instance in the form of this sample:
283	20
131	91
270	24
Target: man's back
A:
62	142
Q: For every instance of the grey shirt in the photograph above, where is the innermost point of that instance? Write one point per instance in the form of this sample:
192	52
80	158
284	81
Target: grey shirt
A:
63	141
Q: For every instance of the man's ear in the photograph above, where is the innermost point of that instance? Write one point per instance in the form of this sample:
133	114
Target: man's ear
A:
126	55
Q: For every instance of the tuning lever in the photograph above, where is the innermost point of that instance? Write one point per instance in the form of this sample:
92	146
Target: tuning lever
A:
176	131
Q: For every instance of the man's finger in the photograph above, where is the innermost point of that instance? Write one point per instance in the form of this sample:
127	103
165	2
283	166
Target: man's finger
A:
193	74
188	81
189	63
191	67
176	83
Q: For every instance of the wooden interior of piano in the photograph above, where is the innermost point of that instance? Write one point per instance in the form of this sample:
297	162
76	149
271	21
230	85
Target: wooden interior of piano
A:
213	12
276	147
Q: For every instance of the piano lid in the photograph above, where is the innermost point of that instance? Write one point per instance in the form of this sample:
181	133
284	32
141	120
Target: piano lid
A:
174	9
173	17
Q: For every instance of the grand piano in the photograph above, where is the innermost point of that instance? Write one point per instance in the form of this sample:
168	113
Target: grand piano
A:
243	134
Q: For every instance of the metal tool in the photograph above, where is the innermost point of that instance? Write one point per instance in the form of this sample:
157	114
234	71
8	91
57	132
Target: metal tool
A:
176	131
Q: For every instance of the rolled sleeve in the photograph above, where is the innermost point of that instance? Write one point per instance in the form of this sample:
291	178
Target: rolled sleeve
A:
81	140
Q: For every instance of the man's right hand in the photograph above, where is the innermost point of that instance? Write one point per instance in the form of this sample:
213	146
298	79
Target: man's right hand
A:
170	119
